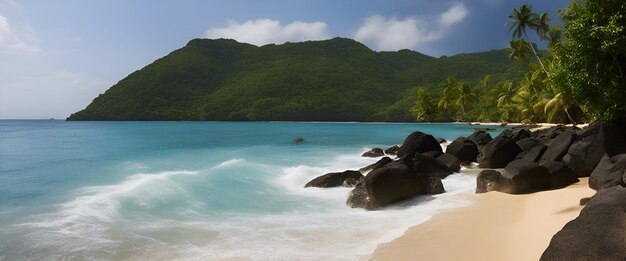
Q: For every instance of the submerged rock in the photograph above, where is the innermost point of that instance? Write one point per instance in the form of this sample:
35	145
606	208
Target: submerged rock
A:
393	150
373	153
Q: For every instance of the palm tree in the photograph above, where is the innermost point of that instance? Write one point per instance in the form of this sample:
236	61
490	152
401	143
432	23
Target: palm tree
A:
423	107
505	91
542	25
518	50
527	106
559	103
464	96
449	93
554	36
524	18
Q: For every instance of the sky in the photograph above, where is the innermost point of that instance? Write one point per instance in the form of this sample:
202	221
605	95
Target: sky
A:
57	56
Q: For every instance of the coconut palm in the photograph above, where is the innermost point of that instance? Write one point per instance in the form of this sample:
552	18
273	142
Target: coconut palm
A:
524	18
465	95
518	50
505	91
448	94
554	36
527	105
542	25
423	108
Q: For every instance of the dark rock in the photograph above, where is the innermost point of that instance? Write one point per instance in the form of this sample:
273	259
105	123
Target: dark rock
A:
481	138
373	153
392	183
583	201
498	152
559	147
548	134
297	140
596	234
516	133
435	186
351	182
586	152
532	149
381	162
451	161
522	177
358	198
393	150
488	180
464	149
418	142
334	179
432	154
441	140
560	174
609	172
427	166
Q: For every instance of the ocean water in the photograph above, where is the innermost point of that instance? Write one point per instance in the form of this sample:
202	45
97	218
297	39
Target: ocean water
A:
199	190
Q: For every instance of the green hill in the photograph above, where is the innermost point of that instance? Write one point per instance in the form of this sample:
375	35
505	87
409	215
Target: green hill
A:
332	80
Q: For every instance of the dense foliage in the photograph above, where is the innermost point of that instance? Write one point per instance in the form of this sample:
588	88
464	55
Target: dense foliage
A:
590	64
332	80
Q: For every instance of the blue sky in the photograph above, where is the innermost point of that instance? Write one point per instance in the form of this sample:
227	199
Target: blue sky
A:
56	56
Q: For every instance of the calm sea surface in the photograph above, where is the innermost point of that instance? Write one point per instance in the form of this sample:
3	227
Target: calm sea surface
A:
198	190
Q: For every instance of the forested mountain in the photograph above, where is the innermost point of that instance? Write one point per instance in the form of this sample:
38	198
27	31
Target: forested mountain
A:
332	80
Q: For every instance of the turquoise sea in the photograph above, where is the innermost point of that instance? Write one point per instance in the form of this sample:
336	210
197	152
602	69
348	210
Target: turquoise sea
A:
198	190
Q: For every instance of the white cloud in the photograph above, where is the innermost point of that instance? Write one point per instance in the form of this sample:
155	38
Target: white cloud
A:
13	43
392	34
265	31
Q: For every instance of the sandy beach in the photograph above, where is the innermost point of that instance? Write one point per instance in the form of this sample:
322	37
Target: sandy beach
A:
497	226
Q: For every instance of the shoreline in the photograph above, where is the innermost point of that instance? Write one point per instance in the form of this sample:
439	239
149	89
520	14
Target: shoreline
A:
497	226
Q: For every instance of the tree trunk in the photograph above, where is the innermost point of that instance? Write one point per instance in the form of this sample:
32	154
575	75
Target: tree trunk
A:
571	120
538	59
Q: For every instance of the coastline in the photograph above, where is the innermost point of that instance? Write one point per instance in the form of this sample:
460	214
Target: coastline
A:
497	226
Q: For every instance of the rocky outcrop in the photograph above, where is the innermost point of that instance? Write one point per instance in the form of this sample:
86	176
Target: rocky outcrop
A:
393	150
358	198
532	149
498	152
586	152
596	234
561	175
394	182
464	149
516	134
559	146
452	162
381	162
418	142
427	166
347	178
374	153
609	172
480	138
488	180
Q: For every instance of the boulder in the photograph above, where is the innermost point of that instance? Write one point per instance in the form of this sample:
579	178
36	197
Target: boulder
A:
516	134
522	177
609	172
452	162
432	154
586	151
427	166
498	152
488	180
392	183
548	134
373	153
481	138
560	174
381	162
464	149
393	150
435	186
358	198
441	140
418	142
596	234
335	179
532	149
559	146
